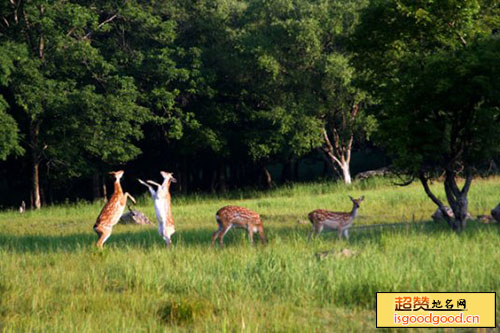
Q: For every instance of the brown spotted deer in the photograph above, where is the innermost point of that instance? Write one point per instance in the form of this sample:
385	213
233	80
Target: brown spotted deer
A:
112	211
341	221
239	217
163	205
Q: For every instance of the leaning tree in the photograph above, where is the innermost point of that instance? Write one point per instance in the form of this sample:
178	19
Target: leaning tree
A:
434	66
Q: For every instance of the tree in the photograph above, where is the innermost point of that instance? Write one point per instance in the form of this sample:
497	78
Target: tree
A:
74	103
305	82
434	68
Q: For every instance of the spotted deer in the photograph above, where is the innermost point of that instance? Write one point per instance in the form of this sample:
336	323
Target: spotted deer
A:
342	221
239	217
112	211
163	205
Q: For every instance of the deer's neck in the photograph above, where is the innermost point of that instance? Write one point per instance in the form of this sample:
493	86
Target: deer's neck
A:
166	191
354	212
118	188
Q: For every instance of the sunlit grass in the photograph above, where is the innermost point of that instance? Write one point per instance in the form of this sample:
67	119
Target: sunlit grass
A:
53	278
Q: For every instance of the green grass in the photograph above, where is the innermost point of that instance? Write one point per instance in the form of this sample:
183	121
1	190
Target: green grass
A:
52	278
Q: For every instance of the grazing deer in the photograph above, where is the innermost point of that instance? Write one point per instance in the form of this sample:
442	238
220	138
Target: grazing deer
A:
239	217
341	221
112	211
163	205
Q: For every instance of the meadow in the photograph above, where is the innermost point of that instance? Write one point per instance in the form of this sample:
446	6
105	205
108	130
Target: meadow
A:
52	278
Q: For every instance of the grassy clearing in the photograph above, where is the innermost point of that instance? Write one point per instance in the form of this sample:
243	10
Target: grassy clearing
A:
52	277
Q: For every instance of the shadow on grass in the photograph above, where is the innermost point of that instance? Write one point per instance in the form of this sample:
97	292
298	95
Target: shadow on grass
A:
147	237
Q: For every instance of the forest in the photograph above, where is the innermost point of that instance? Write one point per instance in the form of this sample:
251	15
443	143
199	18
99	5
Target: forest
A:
229	94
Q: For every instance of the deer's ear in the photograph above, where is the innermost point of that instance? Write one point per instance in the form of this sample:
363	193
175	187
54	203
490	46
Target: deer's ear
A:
351	198
362	198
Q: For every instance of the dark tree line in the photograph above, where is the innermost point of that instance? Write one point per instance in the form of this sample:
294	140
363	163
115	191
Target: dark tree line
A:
217	91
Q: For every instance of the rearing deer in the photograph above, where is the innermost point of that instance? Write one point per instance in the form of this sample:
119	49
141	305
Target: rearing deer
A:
112	211
240	217
163	205
342	221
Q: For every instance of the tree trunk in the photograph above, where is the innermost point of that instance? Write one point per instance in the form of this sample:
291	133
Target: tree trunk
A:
346	173
268	180
96	193
222	178
425	184
457	198
296	165
35	168
36	183
338	154
286	171
213	182
104	189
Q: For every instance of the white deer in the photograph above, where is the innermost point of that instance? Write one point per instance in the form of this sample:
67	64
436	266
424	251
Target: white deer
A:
163	205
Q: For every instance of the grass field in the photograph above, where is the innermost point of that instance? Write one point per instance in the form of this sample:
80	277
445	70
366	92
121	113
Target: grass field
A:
52	278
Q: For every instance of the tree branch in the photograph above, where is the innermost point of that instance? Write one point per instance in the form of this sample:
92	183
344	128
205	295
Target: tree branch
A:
468	182
41	45
428	191
354	111
329	161
406	182
329	148
109	19
452	183
6	22
349	148
438	202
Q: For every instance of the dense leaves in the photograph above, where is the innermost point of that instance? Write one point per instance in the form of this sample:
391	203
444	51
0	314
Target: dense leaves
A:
434	68
219	90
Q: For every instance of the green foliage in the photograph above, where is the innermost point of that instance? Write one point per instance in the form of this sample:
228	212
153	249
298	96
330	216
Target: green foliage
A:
434	68
9	132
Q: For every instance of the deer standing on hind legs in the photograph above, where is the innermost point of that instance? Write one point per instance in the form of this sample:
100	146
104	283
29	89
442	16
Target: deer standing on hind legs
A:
240	217
112	211
341	221
163	205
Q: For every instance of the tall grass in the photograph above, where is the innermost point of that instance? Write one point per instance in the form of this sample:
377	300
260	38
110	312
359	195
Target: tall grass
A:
53	278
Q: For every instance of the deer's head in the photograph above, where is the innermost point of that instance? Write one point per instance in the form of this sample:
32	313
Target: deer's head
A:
168	176
117	174
356	202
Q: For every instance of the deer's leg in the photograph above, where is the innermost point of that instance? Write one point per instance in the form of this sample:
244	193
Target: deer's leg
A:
223	233
311	234
127	195
154	183
262	235
103	237
216	234
151	190
250	234
318	229
339	230
169	231
346	234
